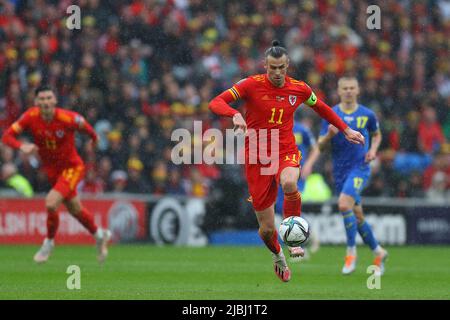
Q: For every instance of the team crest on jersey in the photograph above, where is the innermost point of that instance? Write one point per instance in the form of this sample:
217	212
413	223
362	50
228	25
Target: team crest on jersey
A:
60	133
292	100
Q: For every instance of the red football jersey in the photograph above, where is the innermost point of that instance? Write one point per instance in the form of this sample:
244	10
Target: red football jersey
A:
270	107
55	139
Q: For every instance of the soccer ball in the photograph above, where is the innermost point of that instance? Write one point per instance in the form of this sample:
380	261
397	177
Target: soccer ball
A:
294	231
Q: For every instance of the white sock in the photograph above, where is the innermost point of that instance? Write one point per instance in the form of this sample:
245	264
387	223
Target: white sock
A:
49	241
279	255
99	233
378	250
351	251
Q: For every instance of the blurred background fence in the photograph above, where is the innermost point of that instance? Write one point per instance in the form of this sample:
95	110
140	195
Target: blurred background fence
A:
179	220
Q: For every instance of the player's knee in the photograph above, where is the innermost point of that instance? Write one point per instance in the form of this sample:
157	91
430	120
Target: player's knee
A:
51	205
75	211
73	208
359	218
266	232
289	186
343	206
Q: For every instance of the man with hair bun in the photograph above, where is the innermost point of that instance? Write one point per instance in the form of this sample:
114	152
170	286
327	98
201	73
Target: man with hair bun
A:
271	100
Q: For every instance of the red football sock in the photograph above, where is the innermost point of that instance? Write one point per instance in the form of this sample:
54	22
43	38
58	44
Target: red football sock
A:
87	220
52	223
292	204
272	242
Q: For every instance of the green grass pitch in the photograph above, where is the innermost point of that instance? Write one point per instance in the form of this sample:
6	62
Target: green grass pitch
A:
229	273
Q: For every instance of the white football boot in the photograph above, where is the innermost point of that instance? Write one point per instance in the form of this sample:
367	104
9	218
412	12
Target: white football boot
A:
102	237
349	265
379	262
45	251
296	253
280	267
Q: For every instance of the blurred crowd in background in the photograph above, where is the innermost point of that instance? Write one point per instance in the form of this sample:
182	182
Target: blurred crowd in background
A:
137	70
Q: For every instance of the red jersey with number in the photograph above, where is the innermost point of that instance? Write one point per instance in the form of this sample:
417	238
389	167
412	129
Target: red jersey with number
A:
269	107
55	139
270	115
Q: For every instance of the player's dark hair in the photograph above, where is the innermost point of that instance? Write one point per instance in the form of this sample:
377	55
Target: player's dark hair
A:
275	50
44	87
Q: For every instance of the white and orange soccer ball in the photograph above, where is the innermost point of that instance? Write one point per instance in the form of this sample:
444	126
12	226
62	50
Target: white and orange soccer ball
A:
294	231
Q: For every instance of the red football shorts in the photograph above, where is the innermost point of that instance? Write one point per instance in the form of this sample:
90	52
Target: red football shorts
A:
67	180
263	188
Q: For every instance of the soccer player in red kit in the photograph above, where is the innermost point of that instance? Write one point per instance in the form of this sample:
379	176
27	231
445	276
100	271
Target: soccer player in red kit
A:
271	100
53	131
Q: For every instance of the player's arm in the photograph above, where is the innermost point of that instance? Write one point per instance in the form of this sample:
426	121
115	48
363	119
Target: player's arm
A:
310	161
325	112
313	155
326	135
376	137
220	105
84	127
9	137
375	141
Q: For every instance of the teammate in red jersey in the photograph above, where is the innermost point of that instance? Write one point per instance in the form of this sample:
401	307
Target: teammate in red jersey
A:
271	100
53	130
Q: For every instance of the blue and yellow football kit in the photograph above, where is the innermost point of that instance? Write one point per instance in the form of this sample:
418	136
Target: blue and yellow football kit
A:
351	173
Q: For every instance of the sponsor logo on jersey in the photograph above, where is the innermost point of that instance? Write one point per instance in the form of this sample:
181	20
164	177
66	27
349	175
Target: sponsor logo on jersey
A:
348	119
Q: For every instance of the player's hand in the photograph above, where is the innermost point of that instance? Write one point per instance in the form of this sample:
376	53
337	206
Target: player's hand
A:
370	155
94	143
354	136
28	148
91	145
240	126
